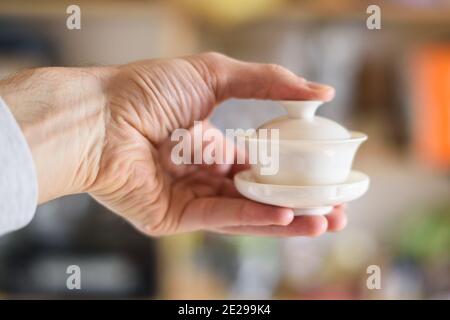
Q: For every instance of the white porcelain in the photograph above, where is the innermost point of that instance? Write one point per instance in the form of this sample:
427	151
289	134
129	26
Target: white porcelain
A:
301	123
305	200
307	162
312	150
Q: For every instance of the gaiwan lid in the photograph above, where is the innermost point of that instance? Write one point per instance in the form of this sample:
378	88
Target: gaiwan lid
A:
301	123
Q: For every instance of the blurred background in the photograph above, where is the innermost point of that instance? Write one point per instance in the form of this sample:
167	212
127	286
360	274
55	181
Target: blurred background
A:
393	84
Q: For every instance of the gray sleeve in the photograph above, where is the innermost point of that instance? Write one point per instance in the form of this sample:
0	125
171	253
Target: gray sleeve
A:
18	182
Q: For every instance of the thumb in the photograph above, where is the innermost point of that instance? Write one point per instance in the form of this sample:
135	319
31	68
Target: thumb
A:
230	78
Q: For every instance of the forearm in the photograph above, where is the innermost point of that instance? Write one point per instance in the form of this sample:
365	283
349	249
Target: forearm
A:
61	112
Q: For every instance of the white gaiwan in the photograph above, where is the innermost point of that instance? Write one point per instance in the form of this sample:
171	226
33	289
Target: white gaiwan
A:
315	160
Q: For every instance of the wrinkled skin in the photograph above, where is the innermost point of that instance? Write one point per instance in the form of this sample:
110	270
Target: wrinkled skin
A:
106	131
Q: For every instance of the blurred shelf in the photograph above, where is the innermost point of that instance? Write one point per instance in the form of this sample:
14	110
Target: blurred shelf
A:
393	12
96	8
353	10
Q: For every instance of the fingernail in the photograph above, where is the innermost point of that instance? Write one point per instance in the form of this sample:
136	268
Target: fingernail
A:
341	206
318	226
319	86
287	217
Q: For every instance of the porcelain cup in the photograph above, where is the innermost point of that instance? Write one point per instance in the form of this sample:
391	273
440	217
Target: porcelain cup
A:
311	162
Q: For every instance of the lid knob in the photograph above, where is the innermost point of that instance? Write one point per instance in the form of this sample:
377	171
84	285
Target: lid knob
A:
301	123
301	109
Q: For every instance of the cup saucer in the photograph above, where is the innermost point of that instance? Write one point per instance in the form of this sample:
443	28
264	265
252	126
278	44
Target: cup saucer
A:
305	200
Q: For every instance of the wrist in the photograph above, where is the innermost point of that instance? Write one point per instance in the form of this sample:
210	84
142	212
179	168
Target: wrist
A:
61	112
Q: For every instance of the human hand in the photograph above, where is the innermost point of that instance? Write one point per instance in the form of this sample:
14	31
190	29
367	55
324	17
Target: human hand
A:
105	131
